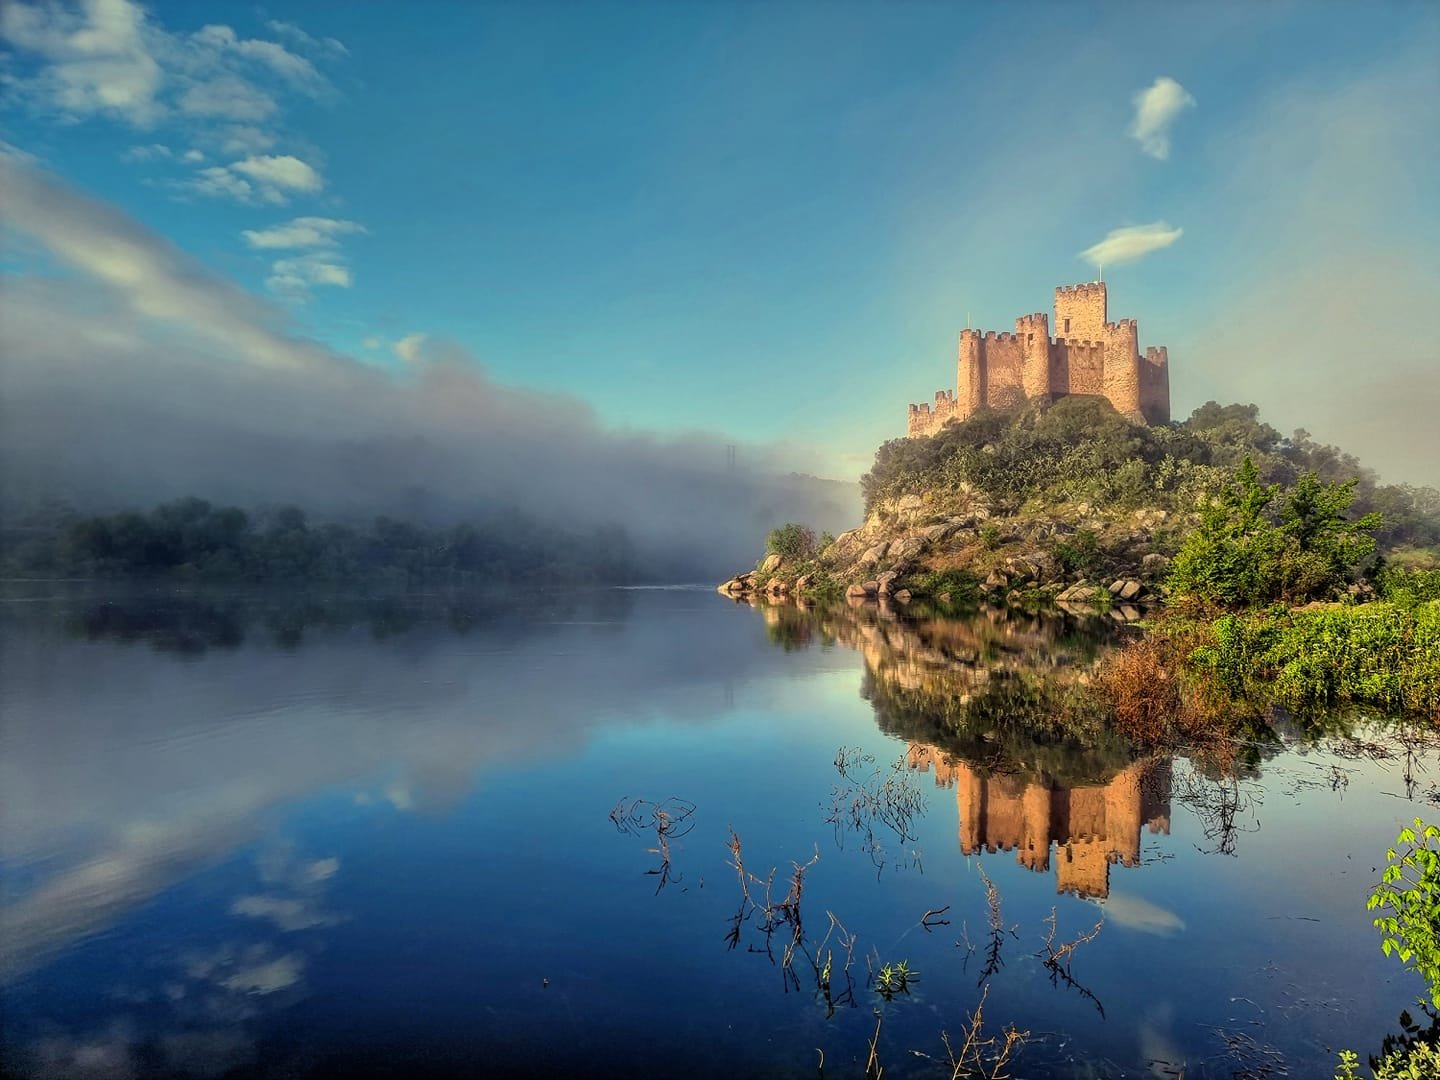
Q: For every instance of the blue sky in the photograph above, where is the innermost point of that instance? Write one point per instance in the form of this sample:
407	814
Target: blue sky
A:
767	221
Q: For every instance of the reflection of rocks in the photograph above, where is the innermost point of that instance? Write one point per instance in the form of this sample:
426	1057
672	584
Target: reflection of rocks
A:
1085	828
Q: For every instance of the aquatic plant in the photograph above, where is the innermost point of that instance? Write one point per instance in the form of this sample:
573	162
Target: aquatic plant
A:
896	978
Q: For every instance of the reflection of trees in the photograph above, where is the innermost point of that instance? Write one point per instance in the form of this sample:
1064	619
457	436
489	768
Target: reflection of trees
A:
1005	693
193	624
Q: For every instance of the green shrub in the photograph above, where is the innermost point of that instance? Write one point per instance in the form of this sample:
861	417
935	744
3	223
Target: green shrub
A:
1081	553
1408	587
1378	654
1259	543
791	542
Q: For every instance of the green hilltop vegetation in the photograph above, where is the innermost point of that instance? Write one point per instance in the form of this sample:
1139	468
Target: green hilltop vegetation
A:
1268	570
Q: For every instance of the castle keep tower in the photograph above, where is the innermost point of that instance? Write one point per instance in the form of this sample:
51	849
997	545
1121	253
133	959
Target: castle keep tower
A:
1089	355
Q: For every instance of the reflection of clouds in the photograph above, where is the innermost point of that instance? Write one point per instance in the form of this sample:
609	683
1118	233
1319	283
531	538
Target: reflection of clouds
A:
1157	1043
106	1055
304	880
1137	913
107	799
87	896
285	912
268	976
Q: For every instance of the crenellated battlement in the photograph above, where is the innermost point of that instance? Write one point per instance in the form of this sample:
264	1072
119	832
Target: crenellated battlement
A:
1084	290
1089	355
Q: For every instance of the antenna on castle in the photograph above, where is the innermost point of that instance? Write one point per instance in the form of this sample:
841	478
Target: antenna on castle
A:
1101	268
967	320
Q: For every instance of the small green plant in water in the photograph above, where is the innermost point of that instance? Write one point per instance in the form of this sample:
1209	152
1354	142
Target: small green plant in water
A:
895	979
1409	892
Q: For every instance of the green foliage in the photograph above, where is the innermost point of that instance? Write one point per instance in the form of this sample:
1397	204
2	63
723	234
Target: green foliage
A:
895	979
1378	654
1409	893
960	586
1081	449
1247	552
989	537
791	542
1408	587
1081	553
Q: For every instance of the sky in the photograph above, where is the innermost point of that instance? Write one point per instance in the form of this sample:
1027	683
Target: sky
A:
760	224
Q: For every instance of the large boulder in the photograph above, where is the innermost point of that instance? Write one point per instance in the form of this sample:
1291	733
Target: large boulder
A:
771	564
885	583
856	592
873	555
908	548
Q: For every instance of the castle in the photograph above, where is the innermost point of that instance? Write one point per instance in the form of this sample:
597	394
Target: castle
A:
1090	355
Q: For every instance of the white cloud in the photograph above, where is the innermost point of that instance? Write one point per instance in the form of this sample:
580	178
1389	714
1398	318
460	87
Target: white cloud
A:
298	37
228	97
150	276
108	58
150	152
255	180
1156	108
1131	243
280	171
219	182
193	157
98	59
302	232
408	347
267	53
245	139
295	277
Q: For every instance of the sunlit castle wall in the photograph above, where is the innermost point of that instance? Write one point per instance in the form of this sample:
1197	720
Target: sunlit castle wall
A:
1089	355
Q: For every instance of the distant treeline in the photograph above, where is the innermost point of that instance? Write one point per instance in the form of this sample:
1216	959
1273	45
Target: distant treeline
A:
192	539
1081	449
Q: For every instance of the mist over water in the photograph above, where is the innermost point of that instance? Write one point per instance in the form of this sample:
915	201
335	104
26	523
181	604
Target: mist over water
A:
139	376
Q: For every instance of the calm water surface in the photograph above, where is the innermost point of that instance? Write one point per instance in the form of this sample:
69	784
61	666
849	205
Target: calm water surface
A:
428	837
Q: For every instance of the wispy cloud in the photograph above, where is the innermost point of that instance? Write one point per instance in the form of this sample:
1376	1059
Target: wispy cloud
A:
266	178
109	59
151	277
302	232
323	264
295	277
408	348
1130	243
280	171
99	60
1156	108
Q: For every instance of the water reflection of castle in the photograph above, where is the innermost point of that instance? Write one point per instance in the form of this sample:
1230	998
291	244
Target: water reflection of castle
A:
1089	827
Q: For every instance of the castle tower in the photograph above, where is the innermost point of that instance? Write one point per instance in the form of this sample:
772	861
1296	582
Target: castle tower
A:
1081	311
1033	331
1155	385
1122	367
969	377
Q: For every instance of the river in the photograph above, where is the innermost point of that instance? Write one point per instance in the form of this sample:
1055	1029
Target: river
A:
450	835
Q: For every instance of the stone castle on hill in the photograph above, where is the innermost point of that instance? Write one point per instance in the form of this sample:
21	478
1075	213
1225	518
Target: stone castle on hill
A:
1089	355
